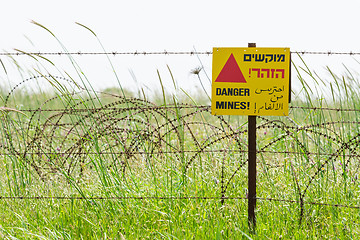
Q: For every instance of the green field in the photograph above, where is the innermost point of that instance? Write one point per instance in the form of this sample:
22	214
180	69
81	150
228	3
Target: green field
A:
96	165
83	164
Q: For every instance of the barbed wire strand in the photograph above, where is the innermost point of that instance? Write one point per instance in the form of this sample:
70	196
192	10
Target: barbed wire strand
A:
173	152
144	53
169	198
176	107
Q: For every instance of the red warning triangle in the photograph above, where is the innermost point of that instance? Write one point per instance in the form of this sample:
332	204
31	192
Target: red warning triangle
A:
231	72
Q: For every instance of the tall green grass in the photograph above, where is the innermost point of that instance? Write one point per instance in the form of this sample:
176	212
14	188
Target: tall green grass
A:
85	164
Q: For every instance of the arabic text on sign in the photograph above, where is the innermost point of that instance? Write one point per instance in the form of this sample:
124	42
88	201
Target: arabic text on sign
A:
269	107
270	91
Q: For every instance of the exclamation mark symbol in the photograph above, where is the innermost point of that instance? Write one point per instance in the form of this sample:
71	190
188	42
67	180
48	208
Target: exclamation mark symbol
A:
248	105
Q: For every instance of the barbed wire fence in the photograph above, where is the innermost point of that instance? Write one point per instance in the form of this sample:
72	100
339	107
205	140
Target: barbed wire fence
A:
111	113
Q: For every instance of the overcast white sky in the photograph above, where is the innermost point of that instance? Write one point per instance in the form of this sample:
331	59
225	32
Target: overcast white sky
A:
156	25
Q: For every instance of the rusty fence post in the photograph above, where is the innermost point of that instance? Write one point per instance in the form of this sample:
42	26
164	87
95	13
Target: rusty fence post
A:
252	167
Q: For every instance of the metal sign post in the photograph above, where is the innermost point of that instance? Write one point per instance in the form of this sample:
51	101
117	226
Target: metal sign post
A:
251	167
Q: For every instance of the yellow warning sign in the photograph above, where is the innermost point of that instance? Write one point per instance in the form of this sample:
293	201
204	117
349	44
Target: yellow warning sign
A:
250	81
